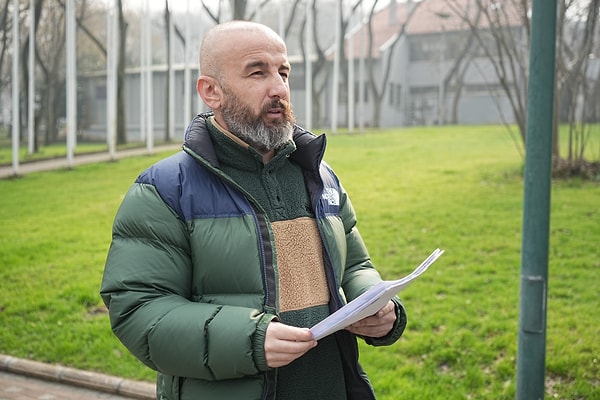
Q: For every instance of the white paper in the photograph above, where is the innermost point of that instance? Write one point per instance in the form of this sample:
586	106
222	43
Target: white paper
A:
370	301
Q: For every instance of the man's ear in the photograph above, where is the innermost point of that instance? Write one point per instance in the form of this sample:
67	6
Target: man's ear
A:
209	91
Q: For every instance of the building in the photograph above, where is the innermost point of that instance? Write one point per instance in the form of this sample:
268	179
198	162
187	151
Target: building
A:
423	59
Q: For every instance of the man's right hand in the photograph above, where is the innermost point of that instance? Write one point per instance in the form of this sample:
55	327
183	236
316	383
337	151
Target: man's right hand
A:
285	343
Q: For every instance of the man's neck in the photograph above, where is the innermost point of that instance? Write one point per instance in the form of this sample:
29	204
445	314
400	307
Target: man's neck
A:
268	156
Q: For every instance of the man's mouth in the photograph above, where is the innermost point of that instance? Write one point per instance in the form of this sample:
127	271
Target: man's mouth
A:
275	112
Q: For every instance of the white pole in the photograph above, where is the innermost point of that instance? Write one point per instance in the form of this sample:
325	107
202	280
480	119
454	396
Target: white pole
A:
281	15
142	74
16	117
441	91
351	82
31	88
258	14
336	71
171	77
71	82
361	75
111	81
187	73
308	37
149	81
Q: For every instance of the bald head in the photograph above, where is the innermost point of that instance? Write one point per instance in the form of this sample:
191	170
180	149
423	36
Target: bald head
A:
222	42
244	80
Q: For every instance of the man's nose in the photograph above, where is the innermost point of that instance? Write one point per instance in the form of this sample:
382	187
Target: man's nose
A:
278	87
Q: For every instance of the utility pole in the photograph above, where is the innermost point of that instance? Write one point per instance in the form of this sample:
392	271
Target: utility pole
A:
336	68
536	209
31	86
71	77
16	99
112	43
308	38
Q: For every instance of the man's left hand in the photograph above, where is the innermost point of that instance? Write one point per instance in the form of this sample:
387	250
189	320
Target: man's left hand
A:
377	325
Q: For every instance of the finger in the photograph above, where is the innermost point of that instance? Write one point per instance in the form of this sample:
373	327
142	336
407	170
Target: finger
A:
388	308
286	332
288	347
371	331
284	344
384	315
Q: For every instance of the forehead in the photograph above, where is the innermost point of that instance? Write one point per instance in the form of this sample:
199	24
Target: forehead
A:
252	47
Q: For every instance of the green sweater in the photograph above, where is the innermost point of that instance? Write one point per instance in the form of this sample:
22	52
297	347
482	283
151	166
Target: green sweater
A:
278	187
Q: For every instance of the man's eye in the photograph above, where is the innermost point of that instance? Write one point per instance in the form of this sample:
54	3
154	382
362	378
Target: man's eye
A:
257	73
284	75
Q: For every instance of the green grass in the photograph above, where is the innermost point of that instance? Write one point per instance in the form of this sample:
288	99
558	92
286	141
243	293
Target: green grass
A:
458	188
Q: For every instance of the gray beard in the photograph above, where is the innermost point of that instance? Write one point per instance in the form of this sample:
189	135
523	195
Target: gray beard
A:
258	135
252	129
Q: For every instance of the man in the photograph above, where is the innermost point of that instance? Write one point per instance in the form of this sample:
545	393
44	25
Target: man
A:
225	254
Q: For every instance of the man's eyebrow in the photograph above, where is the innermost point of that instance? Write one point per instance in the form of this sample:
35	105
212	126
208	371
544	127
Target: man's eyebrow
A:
255	64
261	64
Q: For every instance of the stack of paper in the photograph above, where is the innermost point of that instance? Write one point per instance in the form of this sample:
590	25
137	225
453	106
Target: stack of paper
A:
370	301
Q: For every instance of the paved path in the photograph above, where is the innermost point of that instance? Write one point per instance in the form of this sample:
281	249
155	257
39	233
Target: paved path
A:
30	380
61	163
19	387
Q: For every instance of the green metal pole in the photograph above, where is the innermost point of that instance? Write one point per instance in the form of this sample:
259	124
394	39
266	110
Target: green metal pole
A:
536	208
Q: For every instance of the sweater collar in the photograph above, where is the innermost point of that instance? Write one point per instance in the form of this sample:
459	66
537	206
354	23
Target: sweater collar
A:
234	152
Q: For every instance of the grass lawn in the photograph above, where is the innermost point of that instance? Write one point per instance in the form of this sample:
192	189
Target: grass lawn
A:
457	188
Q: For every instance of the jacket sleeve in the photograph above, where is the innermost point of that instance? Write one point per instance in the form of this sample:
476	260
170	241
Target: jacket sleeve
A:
360	274
147	289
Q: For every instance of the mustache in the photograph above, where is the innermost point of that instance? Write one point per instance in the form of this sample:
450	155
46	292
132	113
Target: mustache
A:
277	103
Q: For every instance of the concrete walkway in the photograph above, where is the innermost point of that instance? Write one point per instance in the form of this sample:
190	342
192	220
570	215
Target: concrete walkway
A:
30	380
61	163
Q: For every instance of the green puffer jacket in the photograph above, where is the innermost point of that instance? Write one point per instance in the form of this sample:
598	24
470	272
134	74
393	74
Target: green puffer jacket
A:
191	278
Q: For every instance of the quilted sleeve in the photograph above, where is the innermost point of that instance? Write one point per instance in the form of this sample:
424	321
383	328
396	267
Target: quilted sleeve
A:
147	289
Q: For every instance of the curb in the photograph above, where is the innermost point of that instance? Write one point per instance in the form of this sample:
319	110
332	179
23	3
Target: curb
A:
75	377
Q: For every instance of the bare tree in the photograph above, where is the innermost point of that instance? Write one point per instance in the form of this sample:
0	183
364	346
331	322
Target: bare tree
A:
5	28
344	26
377	86
503	36
121	58
577	40
50	51
239	10
319	69
502	32
25	65
49	58
168	18
462	55
291	18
